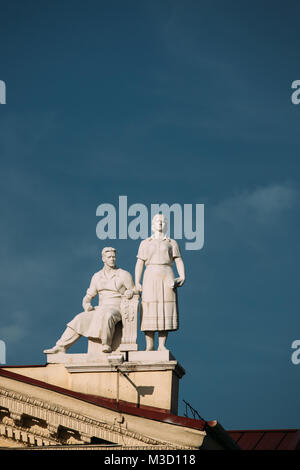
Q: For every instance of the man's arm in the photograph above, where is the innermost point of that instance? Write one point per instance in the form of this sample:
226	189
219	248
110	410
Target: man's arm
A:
139	267
129	284
90	294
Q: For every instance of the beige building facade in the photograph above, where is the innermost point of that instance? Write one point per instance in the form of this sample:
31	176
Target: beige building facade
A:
35	413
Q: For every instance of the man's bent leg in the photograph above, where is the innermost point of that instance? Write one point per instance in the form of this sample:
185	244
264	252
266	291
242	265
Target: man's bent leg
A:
68	338
108	330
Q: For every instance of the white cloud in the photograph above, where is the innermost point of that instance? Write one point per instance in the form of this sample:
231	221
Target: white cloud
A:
15	329
261	206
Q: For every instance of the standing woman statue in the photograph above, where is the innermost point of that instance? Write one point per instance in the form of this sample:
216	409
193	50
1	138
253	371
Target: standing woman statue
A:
159	310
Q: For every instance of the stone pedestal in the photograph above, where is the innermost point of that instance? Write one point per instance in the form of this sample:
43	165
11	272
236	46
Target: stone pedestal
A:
140	382
148	378
150	356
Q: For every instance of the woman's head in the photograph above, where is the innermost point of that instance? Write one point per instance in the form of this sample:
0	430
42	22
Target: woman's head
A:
159	223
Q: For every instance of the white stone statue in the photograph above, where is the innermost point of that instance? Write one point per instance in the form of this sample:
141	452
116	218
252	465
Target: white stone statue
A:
159	309
112	284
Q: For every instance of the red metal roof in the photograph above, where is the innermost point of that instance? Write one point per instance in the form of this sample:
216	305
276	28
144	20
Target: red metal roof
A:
269	439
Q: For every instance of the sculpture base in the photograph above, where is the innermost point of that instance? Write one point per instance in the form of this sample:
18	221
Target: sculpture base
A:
149	378
150	356
98	358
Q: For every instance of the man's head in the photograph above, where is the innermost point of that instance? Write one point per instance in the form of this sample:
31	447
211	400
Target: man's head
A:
109	256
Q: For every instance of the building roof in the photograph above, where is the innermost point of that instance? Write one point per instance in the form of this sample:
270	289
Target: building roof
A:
269	439
143	411
281	439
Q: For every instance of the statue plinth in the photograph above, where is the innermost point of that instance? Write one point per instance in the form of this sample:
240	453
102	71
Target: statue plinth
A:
149	378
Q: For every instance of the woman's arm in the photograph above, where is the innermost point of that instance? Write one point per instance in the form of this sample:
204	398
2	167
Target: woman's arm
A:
181	271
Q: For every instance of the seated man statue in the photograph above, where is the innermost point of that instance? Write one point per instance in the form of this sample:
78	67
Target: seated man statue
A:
111	283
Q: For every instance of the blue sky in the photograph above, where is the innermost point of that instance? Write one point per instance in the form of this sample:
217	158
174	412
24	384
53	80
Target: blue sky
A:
162	101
